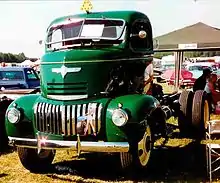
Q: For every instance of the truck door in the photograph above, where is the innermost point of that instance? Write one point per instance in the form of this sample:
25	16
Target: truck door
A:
32	78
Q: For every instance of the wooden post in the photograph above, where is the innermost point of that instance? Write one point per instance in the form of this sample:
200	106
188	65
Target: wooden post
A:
178	63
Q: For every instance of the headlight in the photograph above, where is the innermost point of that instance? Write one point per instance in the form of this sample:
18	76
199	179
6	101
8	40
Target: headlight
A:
119	117
14	115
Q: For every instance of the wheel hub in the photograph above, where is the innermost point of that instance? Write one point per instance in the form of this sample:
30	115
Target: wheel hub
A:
43	153
144	147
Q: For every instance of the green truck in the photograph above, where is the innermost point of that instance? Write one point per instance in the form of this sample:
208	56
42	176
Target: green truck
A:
91	92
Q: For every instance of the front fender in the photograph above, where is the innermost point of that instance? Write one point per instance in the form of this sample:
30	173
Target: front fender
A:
25	127
137	106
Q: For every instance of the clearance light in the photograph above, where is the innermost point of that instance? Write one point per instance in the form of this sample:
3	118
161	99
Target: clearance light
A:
142	34
86	6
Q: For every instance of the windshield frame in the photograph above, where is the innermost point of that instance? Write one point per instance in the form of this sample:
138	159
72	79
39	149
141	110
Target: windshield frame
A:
84	38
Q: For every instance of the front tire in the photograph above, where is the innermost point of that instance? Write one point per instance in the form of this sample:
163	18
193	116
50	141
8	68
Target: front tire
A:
140	156
35	162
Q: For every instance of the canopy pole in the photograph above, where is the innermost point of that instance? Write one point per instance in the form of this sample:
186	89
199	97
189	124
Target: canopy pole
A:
178	62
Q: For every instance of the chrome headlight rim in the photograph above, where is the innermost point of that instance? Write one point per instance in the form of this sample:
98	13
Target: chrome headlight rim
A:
117	113
15	113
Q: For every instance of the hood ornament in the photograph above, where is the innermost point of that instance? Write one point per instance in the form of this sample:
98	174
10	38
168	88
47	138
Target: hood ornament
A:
64	70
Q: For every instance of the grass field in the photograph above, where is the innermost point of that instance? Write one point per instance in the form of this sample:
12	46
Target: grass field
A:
168	165
175	163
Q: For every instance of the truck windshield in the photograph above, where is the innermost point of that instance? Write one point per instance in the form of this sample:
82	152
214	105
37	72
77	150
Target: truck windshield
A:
11	75
76	31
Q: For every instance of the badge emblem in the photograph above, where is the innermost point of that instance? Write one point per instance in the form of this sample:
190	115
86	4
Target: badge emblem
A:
64	70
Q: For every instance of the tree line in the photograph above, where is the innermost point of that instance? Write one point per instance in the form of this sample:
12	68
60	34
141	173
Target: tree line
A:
12	58
190	54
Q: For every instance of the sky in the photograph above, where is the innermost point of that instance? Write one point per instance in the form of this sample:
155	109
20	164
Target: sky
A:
24	23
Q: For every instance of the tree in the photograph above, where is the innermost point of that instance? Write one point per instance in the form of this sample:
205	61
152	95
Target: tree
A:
12	58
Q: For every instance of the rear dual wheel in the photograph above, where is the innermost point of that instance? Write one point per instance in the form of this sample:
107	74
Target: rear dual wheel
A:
200	114
185	114
194	114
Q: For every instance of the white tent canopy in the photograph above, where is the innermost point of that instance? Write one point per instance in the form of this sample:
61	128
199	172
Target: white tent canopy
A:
27	63
37	62
169	59
156	59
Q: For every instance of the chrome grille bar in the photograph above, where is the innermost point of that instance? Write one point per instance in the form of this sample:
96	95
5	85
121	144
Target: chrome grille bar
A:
50	124
67	120
73	120
46	118
53	118
63	119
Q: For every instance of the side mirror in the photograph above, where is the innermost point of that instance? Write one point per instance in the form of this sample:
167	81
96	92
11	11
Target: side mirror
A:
156	44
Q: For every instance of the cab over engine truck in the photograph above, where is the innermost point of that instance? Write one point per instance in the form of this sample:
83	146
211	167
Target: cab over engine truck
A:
91	92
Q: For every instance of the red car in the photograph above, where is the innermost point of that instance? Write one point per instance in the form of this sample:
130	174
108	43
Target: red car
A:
186	77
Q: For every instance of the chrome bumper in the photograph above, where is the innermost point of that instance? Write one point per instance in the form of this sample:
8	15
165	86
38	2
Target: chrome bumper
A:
78	146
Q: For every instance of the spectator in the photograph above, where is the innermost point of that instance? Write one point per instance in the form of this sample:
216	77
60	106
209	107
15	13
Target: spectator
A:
210	89
218	84
211	84
200	83
148	76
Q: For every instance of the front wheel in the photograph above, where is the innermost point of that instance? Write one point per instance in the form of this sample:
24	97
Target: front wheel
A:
140	157
34	161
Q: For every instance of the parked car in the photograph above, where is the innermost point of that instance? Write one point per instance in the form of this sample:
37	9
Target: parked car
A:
186	77
18	78
197	68
158	72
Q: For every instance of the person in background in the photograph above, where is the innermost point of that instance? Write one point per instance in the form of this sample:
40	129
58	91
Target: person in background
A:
200	83
210	89
148	76
218	84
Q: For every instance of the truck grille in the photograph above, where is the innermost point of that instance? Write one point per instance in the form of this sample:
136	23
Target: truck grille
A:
79	88
67	120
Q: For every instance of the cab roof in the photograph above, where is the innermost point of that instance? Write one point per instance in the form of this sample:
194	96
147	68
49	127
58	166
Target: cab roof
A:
128	16
14	68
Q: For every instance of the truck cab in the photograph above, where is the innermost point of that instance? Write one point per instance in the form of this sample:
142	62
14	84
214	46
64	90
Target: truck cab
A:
91	92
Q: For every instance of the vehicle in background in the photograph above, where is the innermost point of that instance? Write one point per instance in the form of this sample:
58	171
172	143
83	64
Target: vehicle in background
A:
185	80
197	68
14	83
18	78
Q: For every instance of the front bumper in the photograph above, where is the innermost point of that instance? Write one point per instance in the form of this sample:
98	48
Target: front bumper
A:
86	146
